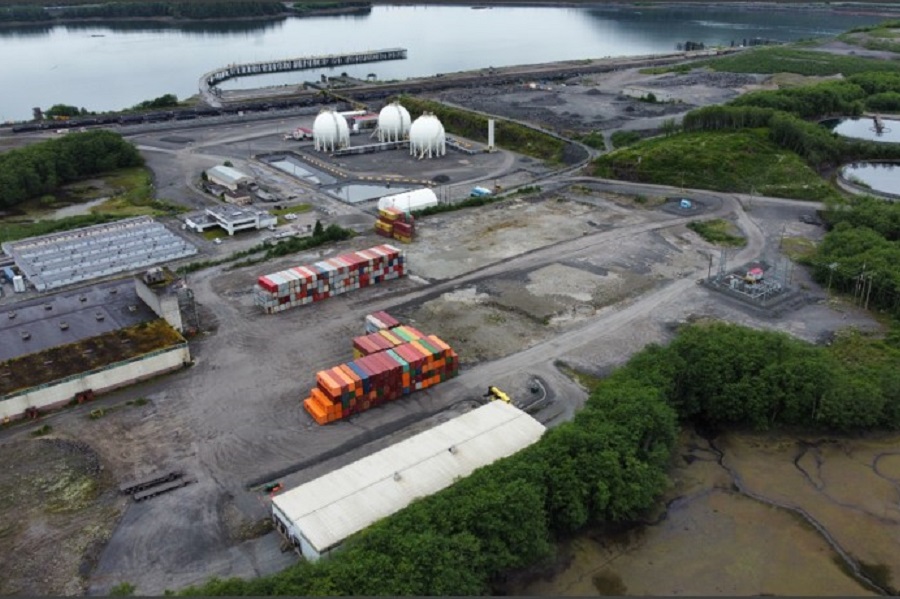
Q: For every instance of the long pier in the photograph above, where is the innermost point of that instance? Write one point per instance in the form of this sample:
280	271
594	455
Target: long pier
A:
213	78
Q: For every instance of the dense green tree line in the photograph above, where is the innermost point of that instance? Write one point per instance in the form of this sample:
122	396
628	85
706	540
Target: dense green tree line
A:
27	14
853	96
183	10
607	465
42	167
860	255
206	9
809	101
164	101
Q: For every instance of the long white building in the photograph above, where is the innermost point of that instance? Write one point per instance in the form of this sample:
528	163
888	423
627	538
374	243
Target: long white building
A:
317	516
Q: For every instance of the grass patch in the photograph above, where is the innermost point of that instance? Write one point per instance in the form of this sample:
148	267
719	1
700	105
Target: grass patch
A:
798	249
594	139
123	589
621	139
718	232
677	68
299	208
589	381
785	59
214	233
43	430
742	161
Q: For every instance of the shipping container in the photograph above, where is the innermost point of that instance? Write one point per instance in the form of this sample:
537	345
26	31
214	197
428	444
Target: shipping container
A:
382	376
302	285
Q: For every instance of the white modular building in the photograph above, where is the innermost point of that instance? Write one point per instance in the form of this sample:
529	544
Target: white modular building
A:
227	177
230	218
426	137
393	123
330	131
319	515
408	201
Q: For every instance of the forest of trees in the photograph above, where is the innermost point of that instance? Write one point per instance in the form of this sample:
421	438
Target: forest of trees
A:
606	466
205	9
42	167
860	255
789	115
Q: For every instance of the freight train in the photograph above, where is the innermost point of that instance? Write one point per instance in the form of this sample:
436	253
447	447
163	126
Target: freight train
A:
180	114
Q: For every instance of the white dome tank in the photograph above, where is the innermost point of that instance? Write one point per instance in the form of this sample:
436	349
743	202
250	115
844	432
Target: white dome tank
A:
393	122
330	131
426	137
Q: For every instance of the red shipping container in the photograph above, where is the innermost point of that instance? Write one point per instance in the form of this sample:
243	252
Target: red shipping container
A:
267	284
388	320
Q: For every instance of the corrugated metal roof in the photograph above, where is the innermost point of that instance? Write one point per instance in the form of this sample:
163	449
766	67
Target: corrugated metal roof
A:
332	507
226	173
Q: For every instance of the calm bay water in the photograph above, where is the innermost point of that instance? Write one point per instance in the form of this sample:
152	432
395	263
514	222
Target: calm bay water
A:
116	65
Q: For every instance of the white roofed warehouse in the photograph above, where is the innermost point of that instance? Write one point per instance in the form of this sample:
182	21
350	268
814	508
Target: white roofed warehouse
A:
408	201
227	177
319	515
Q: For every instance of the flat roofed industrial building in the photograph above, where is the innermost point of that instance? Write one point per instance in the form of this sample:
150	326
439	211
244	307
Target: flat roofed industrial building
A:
319	515
61	259
39	324
230	218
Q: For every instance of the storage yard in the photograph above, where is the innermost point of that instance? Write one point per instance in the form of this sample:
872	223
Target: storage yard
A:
582	273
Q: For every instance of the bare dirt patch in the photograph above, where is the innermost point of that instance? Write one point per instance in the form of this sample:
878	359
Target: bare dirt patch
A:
58	506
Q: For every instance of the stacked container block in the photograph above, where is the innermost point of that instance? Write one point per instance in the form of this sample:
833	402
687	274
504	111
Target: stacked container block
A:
384	340
395	223
380	321
381	376
304	285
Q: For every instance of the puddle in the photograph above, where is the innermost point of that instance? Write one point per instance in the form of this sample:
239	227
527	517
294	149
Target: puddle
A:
303	171
75	209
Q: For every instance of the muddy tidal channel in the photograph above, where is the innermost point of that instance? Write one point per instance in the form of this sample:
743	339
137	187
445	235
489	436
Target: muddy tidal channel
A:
752	515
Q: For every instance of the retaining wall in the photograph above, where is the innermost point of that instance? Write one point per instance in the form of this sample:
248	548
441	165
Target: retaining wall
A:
118	374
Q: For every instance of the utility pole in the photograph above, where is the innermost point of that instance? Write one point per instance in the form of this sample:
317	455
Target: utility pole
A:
709	270
831	268
869	292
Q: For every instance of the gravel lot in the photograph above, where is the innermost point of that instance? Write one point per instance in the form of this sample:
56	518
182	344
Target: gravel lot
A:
579	273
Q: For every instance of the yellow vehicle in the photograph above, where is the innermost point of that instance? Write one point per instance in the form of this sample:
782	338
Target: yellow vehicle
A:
497	394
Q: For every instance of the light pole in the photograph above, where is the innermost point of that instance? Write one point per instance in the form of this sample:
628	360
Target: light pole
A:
831	268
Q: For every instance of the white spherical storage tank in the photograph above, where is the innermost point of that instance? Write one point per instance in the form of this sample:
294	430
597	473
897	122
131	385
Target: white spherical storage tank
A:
330	131
393	122
426	137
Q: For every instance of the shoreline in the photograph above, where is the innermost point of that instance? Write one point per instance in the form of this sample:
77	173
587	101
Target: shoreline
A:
849	8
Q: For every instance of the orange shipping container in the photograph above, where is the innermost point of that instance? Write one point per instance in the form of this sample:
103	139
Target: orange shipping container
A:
327	384
357	382
323	400
347	383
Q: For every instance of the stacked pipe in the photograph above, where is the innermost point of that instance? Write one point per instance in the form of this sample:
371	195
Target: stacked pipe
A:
385	374
395	223
304	285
